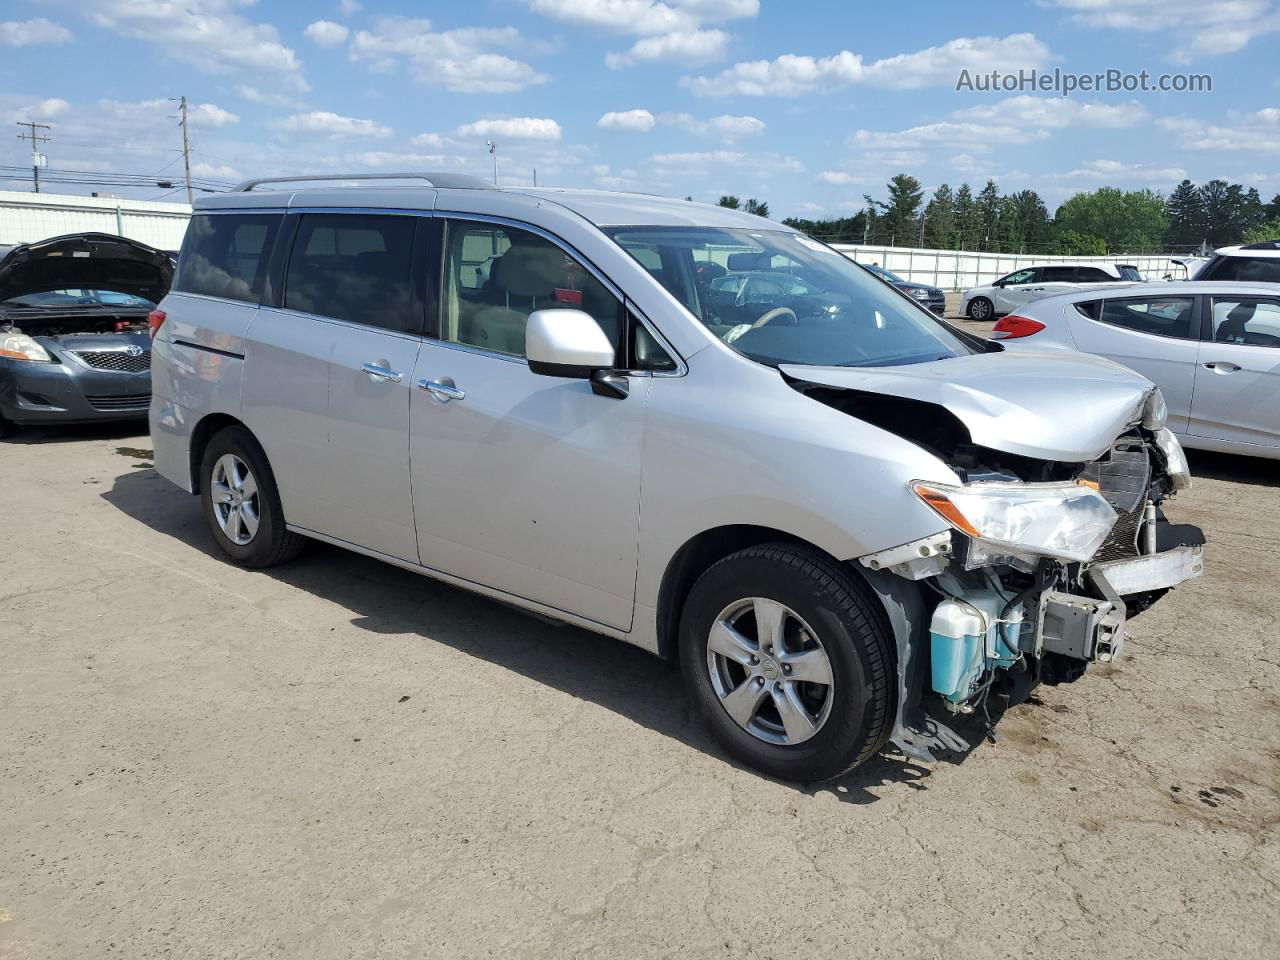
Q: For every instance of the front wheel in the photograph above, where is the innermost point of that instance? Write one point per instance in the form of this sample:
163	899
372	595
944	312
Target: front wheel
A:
980	308
241	504
788	660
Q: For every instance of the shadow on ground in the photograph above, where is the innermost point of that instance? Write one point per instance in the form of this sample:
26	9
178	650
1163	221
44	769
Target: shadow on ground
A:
76	432
1256	471
388	600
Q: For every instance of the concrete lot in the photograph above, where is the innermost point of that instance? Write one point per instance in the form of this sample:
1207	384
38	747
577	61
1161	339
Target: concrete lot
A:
340	759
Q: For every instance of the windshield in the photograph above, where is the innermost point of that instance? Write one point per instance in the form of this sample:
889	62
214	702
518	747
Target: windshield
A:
79	298
882	272
779	297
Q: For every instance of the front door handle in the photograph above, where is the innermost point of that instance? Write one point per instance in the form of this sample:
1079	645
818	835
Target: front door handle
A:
1222	366
380	371
443	389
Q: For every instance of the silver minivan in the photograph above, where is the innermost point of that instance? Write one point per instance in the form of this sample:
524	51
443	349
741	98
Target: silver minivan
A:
850	522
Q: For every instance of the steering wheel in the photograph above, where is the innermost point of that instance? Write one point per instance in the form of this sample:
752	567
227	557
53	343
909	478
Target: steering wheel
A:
774	314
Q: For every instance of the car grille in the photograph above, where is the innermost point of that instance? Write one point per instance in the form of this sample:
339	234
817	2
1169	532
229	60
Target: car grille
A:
1124	478
118	360
137	401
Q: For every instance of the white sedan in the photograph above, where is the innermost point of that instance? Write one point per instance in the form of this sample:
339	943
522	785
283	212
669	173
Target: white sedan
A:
1031	283
1213	348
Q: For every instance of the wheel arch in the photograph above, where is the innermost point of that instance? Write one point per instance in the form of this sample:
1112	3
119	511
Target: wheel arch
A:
204	431
693	559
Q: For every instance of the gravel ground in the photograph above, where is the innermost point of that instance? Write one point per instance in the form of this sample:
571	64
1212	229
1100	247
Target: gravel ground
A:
340	759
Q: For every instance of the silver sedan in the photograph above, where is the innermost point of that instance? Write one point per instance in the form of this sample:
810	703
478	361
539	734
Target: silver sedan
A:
1213	348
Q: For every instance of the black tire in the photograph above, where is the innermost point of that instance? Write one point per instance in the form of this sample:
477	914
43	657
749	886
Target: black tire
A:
272	543
980	308
7	428
852	630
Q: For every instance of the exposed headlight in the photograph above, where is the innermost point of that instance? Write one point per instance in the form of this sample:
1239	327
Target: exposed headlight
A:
1156	411
1176	460
1063	520
920	293
18	346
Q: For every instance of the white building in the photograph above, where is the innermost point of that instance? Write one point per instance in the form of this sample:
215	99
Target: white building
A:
27	217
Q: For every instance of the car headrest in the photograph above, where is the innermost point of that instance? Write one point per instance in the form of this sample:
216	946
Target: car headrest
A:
743	261
1241	313
528	271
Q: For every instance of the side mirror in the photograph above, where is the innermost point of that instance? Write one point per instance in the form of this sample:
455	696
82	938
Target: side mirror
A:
569	343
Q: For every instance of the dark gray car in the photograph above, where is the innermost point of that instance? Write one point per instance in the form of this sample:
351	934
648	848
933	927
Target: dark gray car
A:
927	296
74	336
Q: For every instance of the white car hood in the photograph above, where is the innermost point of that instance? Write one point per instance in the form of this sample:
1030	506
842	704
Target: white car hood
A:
1051	406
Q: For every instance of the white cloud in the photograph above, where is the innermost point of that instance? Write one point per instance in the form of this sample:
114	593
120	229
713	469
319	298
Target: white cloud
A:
946	133
426	140
30	33
332	124
515	128
326	33
461	61
691	47
1258	131
724	127
709	162
1056	112
268	98
791	75
633	121
1113	171
211	35
46	109
220	171
1201	29
623	16
838	177
211	115
349	8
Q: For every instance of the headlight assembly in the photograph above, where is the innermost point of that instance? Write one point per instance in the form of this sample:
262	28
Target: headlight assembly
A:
1155	412
1175	459
18	346
1063	520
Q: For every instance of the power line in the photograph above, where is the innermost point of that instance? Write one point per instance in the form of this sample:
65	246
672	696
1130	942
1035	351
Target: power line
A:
36	155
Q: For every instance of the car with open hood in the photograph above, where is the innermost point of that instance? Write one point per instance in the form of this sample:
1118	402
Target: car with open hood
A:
852	523
75	345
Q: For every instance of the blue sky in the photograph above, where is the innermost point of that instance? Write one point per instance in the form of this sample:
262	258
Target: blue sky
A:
807	105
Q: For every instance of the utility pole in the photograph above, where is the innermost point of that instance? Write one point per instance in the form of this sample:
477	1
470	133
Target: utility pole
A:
493	148
923	219
186	143
36	156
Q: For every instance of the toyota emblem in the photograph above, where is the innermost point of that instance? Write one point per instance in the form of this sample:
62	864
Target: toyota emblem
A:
134	350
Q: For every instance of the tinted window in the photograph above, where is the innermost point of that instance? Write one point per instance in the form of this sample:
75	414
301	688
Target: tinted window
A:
1130	273
1244	269
353	267
1092	275
1253	321
225	255
1162	316
496	276
1057	274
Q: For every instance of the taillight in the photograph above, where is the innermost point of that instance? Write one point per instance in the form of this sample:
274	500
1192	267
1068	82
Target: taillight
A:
1014	326
155	320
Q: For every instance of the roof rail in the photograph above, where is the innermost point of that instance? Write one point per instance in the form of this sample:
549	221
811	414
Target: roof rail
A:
447	181
1265	245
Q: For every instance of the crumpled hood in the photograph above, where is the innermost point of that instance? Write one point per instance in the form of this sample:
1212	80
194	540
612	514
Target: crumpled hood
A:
86	261
1051	406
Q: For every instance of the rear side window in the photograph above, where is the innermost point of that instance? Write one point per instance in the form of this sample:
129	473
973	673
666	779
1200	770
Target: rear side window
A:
1252	321
1162	316
1057	274
1093	275
1244	270
1130	273
225	255
353	267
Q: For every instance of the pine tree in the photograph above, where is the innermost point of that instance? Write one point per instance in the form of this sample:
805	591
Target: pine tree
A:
1186	216
940	219
988	204
968	230
728	201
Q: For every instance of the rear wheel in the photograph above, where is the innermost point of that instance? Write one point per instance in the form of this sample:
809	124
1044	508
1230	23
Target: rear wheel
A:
241	503
789	662
980	308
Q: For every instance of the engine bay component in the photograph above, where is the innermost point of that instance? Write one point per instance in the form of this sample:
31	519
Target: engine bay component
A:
968	638
926	557
1081	628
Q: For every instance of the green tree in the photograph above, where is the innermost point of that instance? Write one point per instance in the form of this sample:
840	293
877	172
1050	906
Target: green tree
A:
940	219
968	229
1272	210
1185	213
728	201
1126	222
1074	244
1268	232
988	207
758	207
900	219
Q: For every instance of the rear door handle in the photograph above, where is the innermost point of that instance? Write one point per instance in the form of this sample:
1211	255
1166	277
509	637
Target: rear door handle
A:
378	371
1222	366
443	389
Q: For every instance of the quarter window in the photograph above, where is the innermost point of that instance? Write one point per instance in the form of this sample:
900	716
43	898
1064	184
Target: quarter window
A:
1093	275
1057	274
1253	321
225	255
353	267
1244	270
495	276
1161	316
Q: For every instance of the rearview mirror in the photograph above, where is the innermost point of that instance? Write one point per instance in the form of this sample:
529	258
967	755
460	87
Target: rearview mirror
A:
566	343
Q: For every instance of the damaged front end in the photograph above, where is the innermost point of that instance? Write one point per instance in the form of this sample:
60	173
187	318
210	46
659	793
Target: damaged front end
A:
1042	563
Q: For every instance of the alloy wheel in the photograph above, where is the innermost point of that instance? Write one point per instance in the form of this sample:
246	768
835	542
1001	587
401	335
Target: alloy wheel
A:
234	492
770	671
